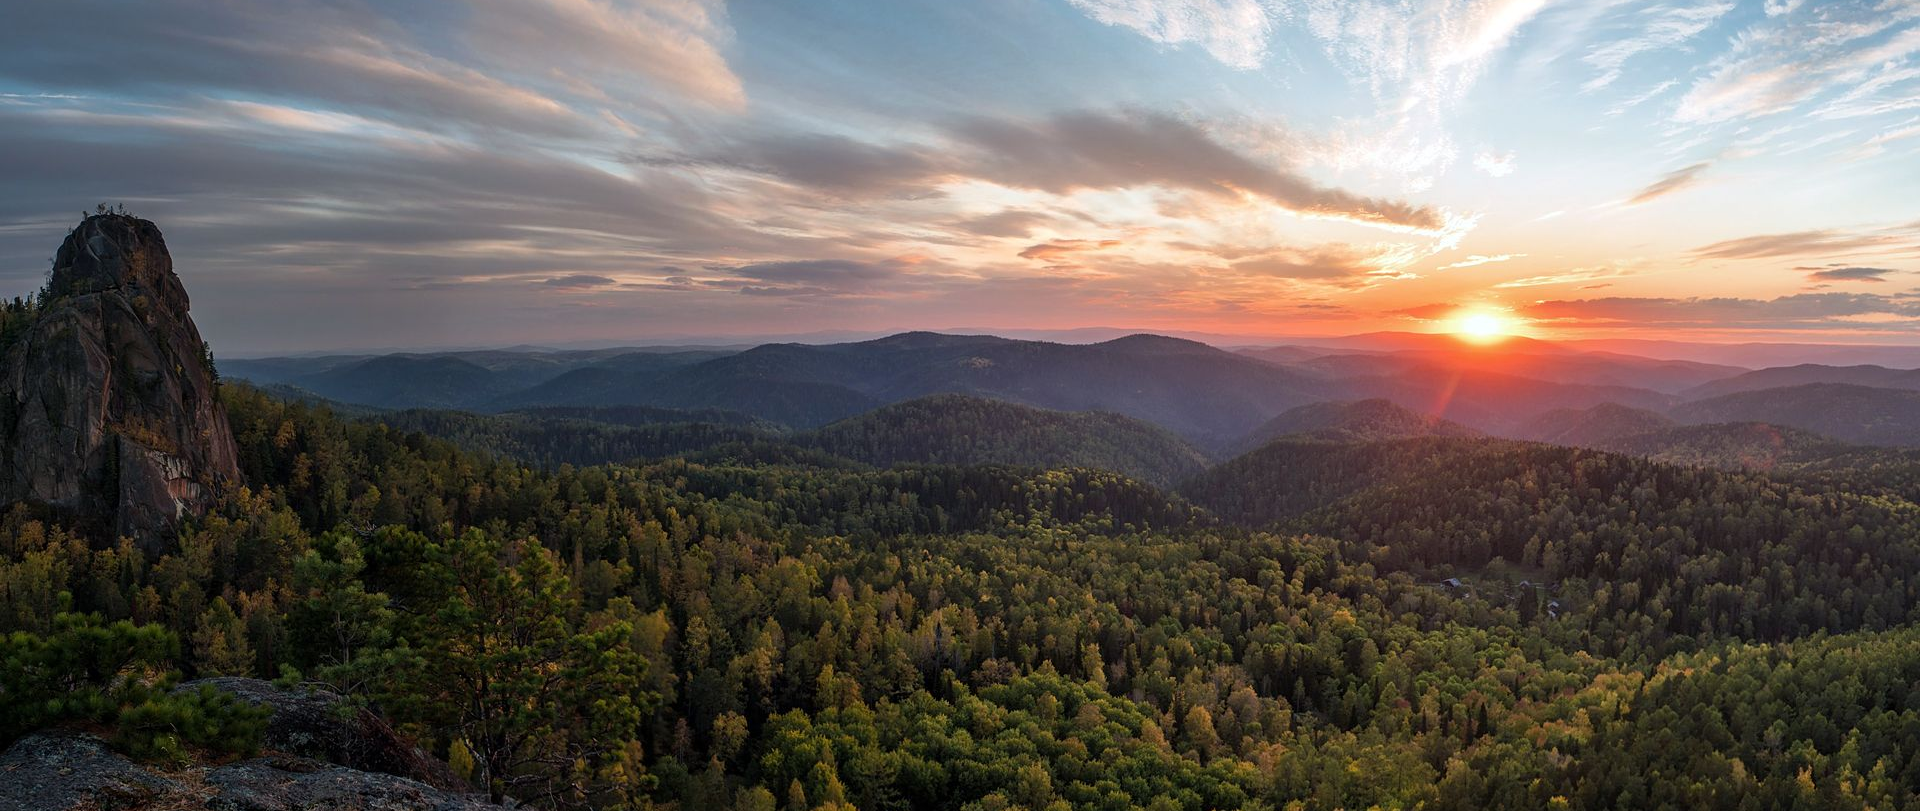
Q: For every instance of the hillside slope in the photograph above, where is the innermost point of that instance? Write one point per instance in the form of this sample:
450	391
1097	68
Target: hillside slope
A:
1860	414
1592	427
1348	421
1804	373
962	430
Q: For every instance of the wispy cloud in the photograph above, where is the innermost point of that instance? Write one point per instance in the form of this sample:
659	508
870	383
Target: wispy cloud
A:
1823	242
1418	62
1844	273
1651	93
1477	260
1669	183
1494	165
1574	276
1801	311
1058	252
1062	154
1786	60
1327	263
1656	28
1232	31
579	280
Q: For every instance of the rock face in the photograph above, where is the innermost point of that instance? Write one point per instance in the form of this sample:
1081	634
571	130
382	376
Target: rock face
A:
318	754
321	725
108	406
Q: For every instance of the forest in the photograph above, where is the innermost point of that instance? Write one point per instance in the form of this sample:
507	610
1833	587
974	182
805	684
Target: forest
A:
1435	622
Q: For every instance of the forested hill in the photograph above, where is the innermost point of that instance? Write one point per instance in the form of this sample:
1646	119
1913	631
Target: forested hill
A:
957	429
719	634
1665	555
1735	446
1859	414
1592	427
1355	421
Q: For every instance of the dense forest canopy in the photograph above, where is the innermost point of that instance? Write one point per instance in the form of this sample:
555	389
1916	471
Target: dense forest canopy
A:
1440	622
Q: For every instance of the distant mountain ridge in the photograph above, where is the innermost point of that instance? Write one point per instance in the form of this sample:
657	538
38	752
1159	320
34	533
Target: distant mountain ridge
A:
1210	397
1206	395
1802	374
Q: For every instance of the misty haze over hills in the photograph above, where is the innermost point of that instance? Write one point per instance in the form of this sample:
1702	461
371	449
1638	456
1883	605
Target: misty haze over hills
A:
1211	396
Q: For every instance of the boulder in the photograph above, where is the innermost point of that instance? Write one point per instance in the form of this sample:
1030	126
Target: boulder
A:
64	771
282	784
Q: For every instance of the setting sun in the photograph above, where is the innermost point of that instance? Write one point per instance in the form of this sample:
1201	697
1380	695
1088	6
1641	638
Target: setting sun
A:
1481	327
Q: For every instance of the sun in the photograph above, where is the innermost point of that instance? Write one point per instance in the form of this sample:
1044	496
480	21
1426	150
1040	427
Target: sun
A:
1481	327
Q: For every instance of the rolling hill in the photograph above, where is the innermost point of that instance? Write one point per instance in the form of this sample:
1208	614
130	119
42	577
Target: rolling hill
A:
1498	404
963	430
1859	414
1537	362
1206	395
1802	374
1728	445
1592	427
1355	421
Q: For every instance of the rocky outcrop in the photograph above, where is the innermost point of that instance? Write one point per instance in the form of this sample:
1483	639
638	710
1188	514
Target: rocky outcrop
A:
318	754
61	770
319	724
67	771
109	411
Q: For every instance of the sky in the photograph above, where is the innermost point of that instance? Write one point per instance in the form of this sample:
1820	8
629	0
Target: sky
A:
424	173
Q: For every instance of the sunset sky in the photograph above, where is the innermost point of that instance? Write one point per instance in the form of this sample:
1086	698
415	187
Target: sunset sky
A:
484	172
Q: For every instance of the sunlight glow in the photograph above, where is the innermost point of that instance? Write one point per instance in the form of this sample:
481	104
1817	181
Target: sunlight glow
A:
1481	327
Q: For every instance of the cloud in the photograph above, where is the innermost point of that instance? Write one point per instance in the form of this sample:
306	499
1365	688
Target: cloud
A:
1809	243
1091	150
1651	93
840	164
1477	260
1011	222
675	44
1659	28
1801	311
1428	312
1061	154
1417	61
1842	273
1669	183
1056	251
579	280
1795	55
1567	277
1322	263
813	277
1494	165
1232	31
541	68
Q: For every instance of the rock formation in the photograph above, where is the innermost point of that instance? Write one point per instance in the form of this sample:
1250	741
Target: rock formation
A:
317	755
319	724
74	771
109	412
